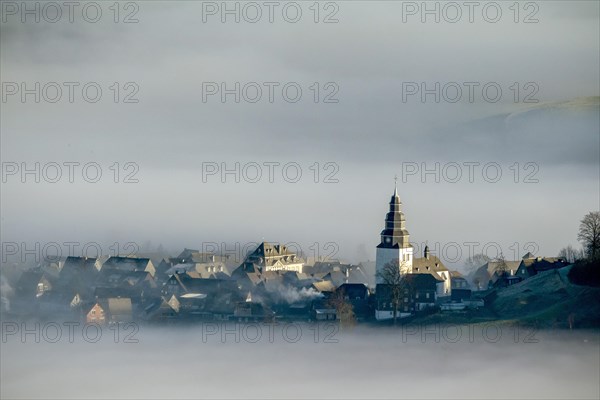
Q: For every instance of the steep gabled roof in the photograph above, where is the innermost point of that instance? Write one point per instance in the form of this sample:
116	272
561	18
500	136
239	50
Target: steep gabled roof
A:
324	286
423	281
354	290
127	263
29	280
426	265
102	293
456	275
77	266
119	306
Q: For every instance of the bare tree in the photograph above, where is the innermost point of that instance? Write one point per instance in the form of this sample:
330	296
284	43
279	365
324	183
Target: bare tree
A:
589	234
502	268
476	261
343	308
393	276
570	254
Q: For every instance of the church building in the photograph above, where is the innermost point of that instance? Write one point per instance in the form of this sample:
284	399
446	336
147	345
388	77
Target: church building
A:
395	246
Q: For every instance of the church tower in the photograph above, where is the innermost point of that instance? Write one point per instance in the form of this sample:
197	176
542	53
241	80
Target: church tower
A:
395	246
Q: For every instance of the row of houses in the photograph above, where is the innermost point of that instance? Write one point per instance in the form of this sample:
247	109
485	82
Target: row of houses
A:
272	282
502	273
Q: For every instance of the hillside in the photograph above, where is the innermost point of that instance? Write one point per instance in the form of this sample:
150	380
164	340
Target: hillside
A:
547	300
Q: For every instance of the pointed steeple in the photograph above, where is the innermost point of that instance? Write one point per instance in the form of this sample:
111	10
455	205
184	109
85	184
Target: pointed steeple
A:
395	233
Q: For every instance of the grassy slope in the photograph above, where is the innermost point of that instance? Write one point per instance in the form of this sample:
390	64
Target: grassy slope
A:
545	301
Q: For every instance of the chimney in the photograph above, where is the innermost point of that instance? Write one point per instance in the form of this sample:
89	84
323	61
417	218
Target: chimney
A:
426	252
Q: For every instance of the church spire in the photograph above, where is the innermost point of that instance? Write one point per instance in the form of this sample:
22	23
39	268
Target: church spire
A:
395	247
395	233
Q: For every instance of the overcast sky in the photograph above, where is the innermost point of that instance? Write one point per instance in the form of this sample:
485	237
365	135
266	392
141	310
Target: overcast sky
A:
368	61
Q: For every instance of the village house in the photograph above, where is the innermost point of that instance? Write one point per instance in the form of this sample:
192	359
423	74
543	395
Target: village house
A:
129	264
139	280
324	286
248	311
486	276
95	315
79	275
532	265
203	299
119	310
357	294
384	302
54	265
430	264
461	290
272	257
109	311
32	286
424	289
161	310
34	283
322	310
417	293
59	304
339	273
208	265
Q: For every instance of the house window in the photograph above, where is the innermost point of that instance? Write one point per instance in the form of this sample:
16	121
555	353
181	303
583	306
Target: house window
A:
417	296
426	295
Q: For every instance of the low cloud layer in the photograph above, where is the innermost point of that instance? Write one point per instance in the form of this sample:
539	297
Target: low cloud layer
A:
374	129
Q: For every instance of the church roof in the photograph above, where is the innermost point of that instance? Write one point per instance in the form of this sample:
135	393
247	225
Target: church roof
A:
428	265
394	233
